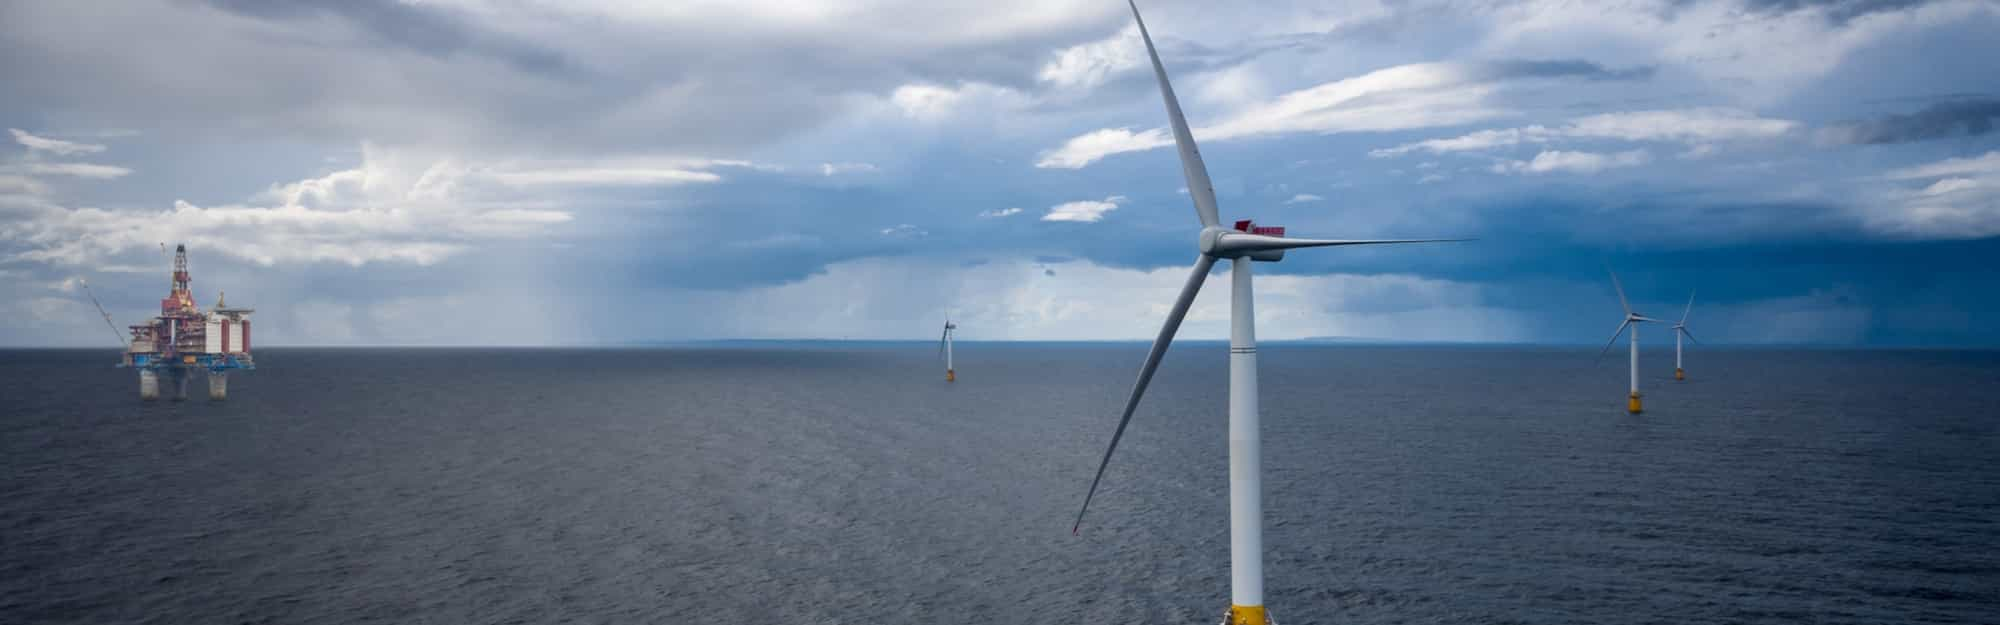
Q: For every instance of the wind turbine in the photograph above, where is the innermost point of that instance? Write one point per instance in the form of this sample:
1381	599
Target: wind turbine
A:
1240	245
1680	330
1632	320
944	350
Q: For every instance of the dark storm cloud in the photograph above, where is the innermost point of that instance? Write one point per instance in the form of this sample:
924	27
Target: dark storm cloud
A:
1563	68
1962	118
1838	10
424	28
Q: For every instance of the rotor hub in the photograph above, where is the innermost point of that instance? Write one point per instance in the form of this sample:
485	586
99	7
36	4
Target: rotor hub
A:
1209	238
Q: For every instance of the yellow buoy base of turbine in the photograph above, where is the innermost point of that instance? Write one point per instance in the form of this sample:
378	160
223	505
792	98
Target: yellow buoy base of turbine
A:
1679	374
950	376
1632	404
1247	615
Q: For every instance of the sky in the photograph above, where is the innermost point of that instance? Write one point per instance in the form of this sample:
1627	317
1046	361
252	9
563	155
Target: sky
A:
589	172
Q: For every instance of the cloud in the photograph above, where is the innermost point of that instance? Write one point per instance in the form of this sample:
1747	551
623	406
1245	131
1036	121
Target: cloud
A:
392	208
1087	65
1020	299
604	177
21	185
1832	10
1697	126
904	231
1821	316
57	147
1403	97
1304	197
1087	148
549	132
1574	162
1985	164
1966	118
1752	57
78	170
548	78
831	169
935	103
1086	211
431	29
1956	198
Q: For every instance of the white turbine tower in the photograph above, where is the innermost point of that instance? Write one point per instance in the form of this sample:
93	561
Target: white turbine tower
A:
1239	246
1681	330
1632	320
944	350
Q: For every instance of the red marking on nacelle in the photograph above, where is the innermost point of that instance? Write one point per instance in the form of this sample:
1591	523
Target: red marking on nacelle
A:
1274	231
1242	225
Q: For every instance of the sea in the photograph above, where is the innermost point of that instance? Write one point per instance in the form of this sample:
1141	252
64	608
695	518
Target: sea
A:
781	483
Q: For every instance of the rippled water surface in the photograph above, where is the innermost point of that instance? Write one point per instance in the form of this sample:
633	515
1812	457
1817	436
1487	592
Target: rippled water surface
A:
834	483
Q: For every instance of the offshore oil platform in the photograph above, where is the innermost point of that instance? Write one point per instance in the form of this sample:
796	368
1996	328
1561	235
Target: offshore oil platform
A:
184	339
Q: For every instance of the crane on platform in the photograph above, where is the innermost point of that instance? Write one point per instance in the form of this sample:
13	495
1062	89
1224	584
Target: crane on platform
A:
115	334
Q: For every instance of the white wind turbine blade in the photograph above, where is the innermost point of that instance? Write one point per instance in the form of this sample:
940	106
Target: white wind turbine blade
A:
1614	339
1690	307
1238	242
1160	344
1686	333
1196	173
1621	291
1646	318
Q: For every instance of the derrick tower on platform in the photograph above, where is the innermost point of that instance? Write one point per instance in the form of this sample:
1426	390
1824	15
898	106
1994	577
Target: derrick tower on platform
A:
184	339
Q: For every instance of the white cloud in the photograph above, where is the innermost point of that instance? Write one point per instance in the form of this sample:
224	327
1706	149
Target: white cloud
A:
1956	198
1983	165
605	176
1304	197
1575	162
1397	98
1087	148
1086	211
391	208
830	169
21	185
1950	185
904	231
1478	140
1088	65
1002	212
934	103
925	101
1699	127
78	170
53	146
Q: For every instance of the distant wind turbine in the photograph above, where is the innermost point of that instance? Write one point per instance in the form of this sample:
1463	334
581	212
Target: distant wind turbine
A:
1680	330
944	350
1240	246
1632	320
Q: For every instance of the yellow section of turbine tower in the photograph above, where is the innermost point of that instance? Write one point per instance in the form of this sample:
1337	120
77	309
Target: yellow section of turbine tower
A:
1247	615
1632	404
1680	375
950	376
